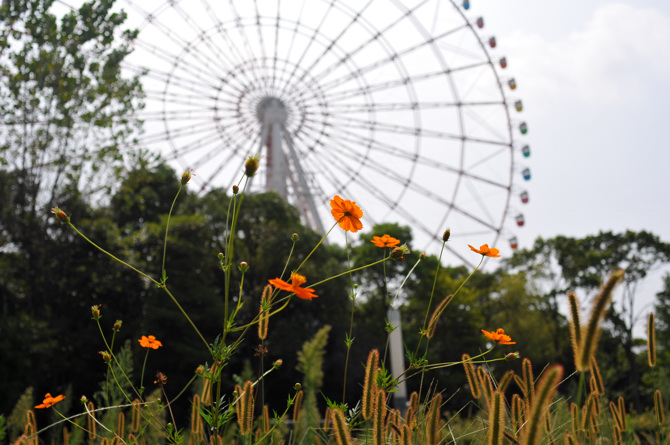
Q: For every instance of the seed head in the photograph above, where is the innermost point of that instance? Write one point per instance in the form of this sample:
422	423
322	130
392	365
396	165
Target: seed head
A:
446	235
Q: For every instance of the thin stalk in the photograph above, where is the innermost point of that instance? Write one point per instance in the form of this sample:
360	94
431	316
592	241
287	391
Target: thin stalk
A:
167	226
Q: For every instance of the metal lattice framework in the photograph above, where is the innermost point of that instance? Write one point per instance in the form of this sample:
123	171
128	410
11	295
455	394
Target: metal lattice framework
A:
394	104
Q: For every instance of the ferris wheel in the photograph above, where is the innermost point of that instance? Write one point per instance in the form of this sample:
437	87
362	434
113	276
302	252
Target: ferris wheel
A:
395	104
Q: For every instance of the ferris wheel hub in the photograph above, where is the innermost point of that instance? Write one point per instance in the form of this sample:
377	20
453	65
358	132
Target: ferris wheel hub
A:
271	110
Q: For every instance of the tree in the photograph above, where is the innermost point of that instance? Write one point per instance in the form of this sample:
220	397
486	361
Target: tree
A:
561	264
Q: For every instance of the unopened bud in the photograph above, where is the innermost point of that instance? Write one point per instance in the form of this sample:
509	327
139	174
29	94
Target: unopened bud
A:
251	165
220	256
295	237
422	255
398	253
95	311
84	400
117	325
512	356
446	235
200	370
297	386
243	266
186	177
60	215
277	363
106	356
236	190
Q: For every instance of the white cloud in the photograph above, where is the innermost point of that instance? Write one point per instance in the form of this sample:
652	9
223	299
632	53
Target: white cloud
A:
613	60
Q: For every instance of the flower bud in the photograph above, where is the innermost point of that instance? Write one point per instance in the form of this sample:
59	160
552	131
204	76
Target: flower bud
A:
84	400
398	253
236	190
295	237
251	165
60	215
106	356
297	386
220	256
186	177
512	356
95	311
422	255
117	325
200	370
446	235
243	266
277	364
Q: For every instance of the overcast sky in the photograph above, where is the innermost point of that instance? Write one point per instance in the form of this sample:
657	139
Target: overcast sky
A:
593	77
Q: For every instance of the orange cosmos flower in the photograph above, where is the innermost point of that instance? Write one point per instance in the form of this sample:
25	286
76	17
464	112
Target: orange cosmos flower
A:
49	401
385	241
150	342
484	250
499	336
296	281
347	214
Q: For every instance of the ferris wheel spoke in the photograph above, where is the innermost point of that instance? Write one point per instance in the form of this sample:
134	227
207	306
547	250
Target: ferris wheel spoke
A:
310	41
390	59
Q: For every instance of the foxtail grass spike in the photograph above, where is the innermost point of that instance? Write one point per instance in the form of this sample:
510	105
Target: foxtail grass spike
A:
615	415
379	419
436	315
266	419
393	422
245	408
505	381
340	428
616	435
121	425
600	306
575	326
528	378
595	372
496	419
297	406
406	438
651	340
543	394
92	425
518	413
587	417
658	407
574	417
485	383
433	420
622	411
473	382
263	317
370	384
413	408
135	416
326	417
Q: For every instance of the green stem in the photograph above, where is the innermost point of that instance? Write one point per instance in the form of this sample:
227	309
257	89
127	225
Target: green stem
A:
167	226
112	256
144	365
351	320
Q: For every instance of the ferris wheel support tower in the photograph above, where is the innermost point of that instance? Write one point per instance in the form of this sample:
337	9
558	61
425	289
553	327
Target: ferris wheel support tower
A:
272	116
